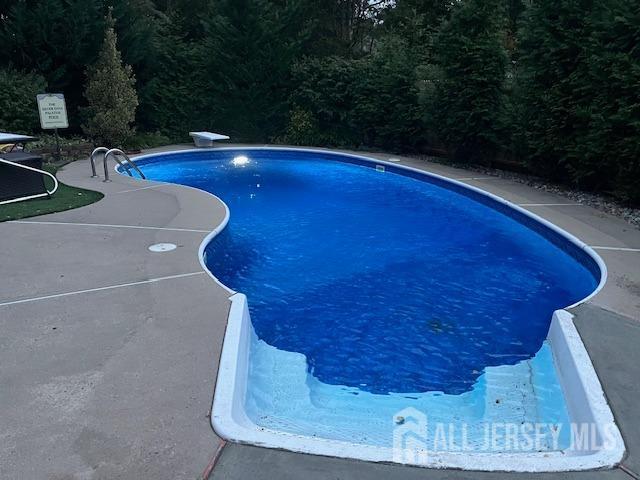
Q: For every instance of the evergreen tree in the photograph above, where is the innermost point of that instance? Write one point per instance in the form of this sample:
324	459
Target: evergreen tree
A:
18	90
111	94
552	83
551	51
416	21
325	89
53	38
465	106
578	111
385	107
141	27
606	156
246	58
172	101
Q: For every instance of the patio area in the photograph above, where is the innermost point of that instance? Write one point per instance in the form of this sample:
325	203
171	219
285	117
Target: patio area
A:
110	351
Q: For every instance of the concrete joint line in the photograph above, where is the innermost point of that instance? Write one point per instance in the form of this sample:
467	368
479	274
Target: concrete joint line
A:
141	188
629	472
104	225
100	289
214	461
464	179
549	204
616	249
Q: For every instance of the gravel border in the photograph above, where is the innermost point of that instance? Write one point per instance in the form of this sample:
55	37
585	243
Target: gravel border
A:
600	202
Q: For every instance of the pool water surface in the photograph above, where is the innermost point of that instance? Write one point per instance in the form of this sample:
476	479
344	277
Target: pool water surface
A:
370	291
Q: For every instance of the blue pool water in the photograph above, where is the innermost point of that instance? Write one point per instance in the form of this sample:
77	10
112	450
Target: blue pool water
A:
387	284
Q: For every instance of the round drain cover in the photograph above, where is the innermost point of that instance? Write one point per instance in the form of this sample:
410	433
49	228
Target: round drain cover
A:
162	247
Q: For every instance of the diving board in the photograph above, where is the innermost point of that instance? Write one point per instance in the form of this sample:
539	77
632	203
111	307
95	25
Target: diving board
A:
206	139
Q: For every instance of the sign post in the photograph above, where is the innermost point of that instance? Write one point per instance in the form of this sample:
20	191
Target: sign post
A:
53	114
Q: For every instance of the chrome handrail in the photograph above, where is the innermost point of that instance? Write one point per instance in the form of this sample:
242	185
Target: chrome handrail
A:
106	169
29	197
115	152
92	159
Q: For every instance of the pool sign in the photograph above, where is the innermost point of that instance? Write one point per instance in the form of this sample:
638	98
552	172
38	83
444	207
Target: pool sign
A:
53	111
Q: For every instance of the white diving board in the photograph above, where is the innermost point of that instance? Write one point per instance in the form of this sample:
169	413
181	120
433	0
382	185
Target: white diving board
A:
15	138
206	139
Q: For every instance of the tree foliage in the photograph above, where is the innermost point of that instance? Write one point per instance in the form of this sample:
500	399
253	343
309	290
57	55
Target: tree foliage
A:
465	108
18	92
551	85
579	108
111	94
260	39
369	101
56	39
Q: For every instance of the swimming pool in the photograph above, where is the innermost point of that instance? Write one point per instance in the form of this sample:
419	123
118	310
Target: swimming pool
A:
373	289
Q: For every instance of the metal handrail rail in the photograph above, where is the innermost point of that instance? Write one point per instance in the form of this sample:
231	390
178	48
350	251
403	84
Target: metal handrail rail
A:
29	197
106	169
115	152
92	159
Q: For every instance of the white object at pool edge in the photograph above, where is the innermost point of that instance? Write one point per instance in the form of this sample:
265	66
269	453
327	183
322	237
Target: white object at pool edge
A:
206	139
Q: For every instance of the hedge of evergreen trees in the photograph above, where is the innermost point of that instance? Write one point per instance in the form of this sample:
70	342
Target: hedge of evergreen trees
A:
550	85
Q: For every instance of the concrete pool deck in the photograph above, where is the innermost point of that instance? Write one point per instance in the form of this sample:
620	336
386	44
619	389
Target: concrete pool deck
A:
109	352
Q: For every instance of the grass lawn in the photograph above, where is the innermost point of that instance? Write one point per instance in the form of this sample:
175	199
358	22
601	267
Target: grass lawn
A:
65	198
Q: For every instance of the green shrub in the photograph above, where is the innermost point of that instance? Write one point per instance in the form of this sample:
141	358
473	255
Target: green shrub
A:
55	38
111	95
579	109
18	107
551	46
385	93
467	99
325	89
372	101
142	140
302	128
46	140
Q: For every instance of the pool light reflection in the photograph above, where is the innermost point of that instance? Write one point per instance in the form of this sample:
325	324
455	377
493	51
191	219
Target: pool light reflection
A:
240	161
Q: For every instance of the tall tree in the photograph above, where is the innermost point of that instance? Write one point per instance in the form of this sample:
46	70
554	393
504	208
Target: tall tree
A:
110	93
607	155
56	39
416	21
578	77
247	54
465	105
173	99
346	27
141	27
551	51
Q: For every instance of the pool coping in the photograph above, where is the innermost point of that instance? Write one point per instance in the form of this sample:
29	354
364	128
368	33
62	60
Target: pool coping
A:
577	375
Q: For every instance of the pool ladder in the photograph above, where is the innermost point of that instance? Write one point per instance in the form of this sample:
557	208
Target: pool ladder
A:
115	153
